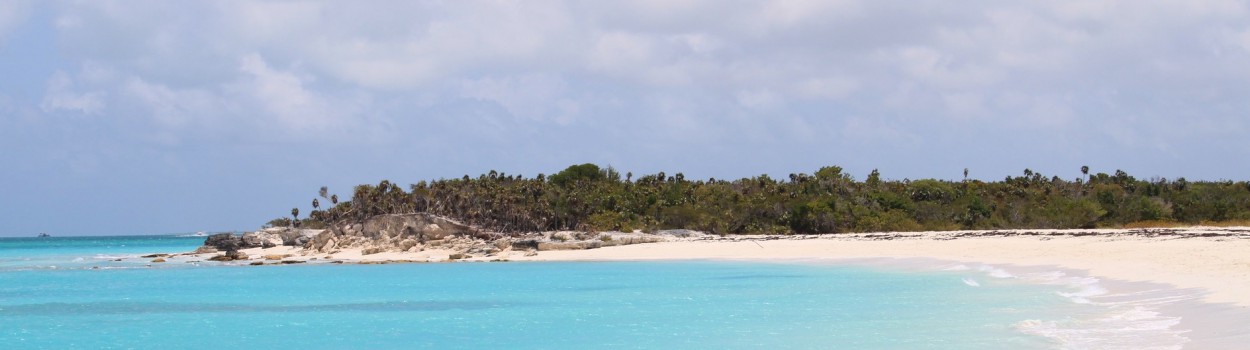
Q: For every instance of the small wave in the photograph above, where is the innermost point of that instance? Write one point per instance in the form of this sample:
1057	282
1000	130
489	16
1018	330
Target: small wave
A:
995	272
957	267
1134	328
115	257
971	282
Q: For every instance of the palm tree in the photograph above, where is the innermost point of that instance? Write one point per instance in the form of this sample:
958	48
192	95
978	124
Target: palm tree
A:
316	204
295	215
1085	172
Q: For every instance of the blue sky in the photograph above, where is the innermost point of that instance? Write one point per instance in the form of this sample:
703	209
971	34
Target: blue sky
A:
121	117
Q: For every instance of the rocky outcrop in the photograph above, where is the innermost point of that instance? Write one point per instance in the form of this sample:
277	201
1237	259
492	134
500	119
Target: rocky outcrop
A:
267	238
263	239
417	232
224	242
394	232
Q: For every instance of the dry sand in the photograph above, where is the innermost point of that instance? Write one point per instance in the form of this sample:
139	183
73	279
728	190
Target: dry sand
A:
1221	265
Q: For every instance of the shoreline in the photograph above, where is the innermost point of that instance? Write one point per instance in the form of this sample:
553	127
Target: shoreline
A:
1191	284
1215	259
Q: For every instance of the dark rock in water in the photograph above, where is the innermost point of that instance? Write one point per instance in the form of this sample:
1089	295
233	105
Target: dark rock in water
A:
224	242
158	260
288	262
257	263
149	256
230	256
222	257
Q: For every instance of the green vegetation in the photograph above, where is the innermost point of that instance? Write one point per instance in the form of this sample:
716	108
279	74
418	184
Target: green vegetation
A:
587	197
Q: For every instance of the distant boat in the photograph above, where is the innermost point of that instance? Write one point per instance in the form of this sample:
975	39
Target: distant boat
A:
44	235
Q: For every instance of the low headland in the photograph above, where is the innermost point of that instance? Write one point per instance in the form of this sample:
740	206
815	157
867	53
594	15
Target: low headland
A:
1186	233
1192	238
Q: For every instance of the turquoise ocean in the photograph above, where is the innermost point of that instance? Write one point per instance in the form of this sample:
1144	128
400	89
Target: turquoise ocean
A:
73	293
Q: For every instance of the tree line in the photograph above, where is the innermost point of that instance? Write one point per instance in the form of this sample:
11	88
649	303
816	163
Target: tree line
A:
590	198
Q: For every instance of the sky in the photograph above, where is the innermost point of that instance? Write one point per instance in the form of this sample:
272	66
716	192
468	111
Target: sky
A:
123	117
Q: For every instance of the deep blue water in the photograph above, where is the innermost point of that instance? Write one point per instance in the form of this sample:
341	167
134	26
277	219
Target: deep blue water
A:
69	293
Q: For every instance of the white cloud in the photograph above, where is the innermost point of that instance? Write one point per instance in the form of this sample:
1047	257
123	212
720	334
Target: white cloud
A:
533	97
904	67
173	108
61	95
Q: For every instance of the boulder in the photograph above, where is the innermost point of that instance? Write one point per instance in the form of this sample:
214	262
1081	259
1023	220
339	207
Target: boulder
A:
407	244
224	241
222	257
525	244
371	251
158	260
237	255
263	239
206	250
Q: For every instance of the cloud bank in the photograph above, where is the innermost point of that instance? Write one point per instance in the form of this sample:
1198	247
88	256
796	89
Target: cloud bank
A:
282	97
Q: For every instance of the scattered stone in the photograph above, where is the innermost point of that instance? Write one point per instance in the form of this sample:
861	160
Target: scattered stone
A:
257	263
158	260
276	256
288	262
458	256
371	251
237	255
149	256
222	257
206	250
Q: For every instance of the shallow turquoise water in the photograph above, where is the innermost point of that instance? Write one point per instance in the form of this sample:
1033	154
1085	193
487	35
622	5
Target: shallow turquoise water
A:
571	305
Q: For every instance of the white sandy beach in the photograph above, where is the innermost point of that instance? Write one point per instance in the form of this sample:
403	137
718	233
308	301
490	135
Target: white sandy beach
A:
1219	265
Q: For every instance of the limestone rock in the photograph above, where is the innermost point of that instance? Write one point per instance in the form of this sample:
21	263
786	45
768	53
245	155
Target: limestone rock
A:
224	241
263	239
206	250
419	226
407	244
371	251
158	260
222	257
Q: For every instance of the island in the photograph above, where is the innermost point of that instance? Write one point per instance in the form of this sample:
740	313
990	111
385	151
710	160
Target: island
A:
1182	233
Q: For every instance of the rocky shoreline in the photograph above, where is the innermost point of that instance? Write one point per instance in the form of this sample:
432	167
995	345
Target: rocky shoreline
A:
421	237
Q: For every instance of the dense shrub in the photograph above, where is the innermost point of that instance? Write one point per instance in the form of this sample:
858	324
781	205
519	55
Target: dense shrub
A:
587	197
